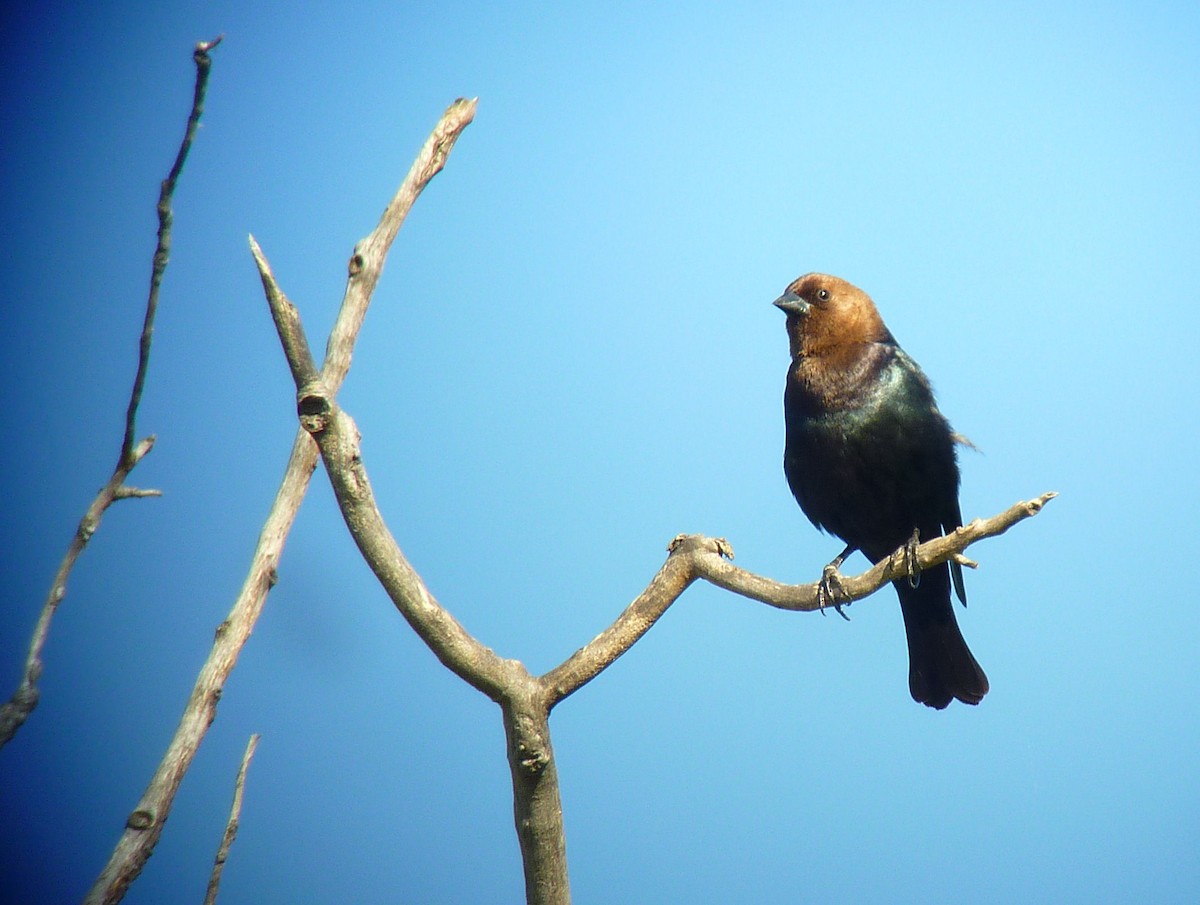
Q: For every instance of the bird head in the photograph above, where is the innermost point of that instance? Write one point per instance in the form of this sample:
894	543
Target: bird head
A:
827	315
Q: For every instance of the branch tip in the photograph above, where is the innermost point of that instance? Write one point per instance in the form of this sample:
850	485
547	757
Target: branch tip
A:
206	46
964	561
1035	506
686	543
125	492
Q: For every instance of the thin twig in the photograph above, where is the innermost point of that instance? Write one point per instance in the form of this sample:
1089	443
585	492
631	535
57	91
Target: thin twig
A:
162	251
145	823
231	827
14	713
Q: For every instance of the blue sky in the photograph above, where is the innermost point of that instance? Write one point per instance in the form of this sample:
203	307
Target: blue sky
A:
571	358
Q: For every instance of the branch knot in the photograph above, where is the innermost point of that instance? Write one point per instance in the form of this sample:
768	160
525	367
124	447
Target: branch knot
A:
140	820
313	407
686	543
531	751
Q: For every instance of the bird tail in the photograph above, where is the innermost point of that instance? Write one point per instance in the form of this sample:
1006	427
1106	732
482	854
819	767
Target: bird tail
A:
940	665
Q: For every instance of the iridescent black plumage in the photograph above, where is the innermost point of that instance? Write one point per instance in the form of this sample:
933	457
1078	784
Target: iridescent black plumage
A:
869	457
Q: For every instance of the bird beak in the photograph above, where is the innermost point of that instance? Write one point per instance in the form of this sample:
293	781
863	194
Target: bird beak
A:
790	303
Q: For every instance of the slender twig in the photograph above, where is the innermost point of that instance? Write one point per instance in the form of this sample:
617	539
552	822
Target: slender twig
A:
231	827
144	826
162	252
14	713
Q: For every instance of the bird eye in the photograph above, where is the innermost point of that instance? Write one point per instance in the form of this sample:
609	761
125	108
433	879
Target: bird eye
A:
823	295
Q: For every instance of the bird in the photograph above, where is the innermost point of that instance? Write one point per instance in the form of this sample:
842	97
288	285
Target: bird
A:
872	461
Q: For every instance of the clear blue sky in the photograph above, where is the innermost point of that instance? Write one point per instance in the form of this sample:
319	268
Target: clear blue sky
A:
571	358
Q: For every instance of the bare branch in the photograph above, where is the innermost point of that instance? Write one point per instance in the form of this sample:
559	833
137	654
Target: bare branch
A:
526	701
338	439
537	806
694	556
719	571
144	826
162	252
287	321
366	263
14	713
231	828
126	492
675	576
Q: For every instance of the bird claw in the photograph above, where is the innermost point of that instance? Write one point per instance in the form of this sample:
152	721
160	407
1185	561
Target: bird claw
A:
831	591
910	559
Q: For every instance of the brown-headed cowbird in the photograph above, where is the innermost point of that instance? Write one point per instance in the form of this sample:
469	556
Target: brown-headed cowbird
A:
870	459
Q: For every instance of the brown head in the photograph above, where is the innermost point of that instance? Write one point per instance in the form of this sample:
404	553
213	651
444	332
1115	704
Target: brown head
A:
828	317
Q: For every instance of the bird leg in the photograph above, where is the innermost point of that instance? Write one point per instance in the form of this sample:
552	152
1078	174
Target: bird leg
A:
910	558
830	590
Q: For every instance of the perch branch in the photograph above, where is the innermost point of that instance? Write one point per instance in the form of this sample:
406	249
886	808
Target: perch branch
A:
231	827
717	569
145	823
694	556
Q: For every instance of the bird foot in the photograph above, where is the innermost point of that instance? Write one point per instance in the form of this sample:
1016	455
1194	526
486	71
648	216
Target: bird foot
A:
831	591
910	559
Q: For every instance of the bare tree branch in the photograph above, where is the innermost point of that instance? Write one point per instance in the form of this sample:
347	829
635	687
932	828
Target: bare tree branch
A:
163	251
338	439
231	828
713	565
675	576
14	713
695	556
366	264
145	824
17	709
